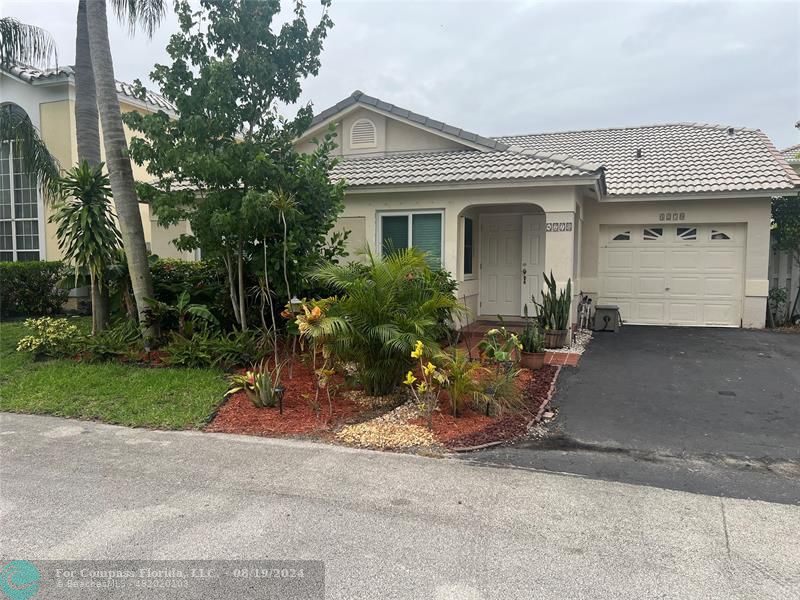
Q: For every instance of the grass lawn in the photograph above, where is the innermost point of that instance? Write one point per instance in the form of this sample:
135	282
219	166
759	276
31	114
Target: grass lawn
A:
137	396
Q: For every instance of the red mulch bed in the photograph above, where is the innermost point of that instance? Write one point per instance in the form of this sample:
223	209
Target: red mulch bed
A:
238	415
475	429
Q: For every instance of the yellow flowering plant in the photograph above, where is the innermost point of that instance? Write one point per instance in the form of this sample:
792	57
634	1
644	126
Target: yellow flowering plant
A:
427	388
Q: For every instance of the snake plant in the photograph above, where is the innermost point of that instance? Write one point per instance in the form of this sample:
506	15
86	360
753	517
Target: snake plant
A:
554	309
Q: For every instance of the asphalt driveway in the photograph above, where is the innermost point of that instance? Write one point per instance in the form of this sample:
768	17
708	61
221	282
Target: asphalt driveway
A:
681	399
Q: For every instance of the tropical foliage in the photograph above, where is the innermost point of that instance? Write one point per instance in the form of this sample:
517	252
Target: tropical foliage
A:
262	385
86	230
463	379
184	311
387	305
227	162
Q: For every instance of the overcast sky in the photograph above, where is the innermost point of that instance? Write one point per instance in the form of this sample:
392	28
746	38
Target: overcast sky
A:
508	67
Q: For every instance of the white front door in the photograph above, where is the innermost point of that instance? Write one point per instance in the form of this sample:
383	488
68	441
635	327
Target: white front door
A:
501	257
532	261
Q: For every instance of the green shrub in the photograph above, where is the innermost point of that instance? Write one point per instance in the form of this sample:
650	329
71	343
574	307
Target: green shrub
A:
387	305
51	338
121	340
31	288
206	349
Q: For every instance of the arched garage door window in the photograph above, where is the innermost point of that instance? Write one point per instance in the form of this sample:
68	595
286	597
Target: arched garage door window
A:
20	206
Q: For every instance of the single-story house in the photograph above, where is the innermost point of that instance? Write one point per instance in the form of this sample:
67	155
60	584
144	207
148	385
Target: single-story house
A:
669	222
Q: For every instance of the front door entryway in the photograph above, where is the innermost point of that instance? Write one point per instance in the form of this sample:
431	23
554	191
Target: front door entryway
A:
501	259
533	241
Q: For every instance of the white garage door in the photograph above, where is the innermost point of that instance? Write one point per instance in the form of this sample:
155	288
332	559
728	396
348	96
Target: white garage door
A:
673	274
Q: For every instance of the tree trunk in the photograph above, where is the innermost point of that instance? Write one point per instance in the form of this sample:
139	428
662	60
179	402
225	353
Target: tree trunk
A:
242	299
118	161
232	287
87	131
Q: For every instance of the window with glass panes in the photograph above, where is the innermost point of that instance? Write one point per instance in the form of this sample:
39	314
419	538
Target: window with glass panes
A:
19	208
421	230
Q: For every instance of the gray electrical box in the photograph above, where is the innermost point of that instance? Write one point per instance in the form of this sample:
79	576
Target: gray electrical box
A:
606	318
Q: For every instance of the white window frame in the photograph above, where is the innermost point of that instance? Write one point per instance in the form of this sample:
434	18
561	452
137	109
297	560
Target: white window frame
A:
39	220
358	145
407	213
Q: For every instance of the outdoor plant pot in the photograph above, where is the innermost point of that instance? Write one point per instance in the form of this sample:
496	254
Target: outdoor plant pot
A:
555	338
532	360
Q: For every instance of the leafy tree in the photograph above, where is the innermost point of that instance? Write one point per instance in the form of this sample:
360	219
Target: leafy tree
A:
786	230
87	234
228	151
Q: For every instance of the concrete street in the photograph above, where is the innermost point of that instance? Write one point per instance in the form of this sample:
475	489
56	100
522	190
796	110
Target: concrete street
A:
387	526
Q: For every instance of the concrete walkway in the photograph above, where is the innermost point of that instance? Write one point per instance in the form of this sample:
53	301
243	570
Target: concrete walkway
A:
387	526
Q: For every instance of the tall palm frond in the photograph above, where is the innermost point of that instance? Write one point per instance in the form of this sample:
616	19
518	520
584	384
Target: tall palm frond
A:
17	128
20	42
147	14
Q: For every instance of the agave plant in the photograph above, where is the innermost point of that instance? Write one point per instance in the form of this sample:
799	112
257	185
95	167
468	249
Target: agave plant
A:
387	304
554	309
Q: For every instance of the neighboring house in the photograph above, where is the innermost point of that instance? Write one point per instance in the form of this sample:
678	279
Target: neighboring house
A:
48	98
792	156
670	222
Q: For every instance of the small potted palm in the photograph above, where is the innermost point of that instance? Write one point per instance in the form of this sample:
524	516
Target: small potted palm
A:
531	345
554	312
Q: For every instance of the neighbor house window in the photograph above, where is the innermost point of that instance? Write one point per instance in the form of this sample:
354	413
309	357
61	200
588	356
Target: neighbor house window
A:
421	230
19	208
468	245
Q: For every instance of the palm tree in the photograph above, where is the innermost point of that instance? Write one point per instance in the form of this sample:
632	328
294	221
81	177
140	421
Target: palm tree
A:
145	12
148	12
87	235
22	43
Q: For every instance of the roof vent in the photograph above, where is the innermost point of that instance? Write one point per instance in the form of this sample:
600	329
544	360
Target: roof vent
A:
638	153
731	131
363	134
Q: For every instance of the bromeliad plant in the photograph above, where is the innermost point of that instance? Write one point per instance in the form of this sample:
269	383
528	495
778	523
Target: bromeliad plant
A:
428	386
531	339
262	385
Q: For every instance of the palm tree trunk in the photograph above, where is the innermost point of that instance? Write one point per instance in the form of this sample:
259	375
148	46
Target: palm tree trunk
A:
118	161
87	129
87	132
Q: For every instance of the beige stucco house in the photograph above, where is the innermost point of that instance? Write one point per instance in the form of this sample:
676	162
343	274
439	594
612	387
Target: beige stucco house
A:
669	222
48	98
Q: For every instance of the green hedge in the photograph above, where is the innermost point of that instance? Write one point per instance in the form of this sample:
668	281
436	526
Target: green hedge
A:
31	288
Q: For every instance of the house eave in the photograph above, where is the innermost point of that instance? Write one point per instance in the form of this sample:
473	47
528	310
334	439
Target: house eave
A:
725	195
472	185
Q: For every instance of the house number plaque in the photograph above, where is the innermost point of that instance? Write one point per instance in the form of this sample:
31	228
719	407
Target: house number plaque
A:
672	216
564	226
